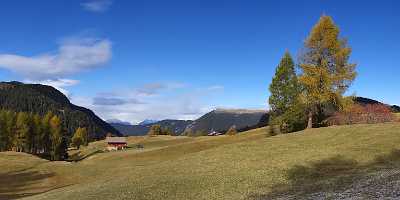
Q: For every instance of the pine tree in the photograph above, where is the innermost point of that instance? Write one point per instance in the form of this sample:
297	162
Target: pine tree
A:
30	143
37	133
77	139
10	129
85	136
284	100
56	138
284	87
22	132
3	131
46	132
326	72
80	137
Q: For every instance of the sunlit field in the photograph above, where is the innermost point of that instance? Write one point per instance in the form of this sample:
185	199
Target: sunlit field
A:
247	166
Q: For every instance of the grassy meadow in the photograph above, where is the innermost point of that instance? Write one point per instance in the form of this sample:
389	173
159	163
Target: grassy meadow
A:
250	165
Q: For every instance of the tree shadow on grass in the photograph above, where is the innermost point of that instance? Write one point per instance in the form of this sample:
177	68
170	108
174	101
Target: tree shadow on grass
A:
326	176
23	183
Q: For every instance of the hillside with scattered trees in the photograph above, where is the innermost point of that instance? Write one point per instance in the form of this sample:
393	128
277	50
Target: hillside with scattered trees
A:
41	99
221	120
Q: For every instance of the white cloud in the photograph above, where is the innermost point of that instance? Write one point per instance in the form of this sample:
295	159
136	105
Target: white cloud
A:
162	108
97	5
74	55
151	89
114	101
132	105
59	84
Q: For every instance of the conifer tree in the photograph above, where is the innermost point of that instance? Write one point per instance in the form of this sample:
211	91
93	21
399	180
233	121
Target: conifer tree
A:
77	139
46	132
10	128
326	71
80	137
3	131
22	132
56	138
30	143
85	136
37	133
284	88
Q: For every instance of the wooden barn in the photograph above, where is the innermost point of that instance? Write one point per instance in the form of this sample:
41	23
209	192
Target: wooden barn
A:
116	143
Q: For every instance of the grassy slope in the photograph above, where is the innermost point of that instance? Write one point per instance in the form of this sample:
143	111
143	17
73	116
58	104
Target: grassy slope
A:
236	167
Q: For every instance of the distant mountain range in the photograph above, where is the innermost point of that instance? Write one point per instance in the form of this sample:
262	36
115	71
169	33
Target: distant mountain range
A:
40	99
218	120
176	126
148	121
221	120
117	121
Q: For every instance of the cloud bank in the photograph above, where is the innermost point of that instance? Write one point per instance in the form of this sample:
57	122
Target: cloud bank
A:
153	101
72	56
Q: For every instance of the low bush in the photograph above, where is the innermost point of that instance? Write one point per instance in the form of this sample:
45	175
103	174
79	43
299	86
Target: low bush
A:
291	121
231	131
357	114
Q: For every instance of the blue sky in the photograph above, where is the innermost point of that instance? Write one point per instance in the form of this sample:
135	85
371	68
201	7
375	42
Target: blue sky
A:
132	60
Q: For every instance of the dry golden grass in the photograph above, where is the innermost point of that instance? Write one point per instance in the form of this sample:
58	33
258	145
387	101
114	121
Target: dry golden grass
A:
245	166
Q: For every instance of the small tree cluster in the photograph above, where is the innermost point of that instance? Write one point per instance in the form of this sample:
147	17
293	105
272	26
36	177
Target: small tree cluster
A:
190	133
357	114
232	131
80	138
31	133
158	130
307	99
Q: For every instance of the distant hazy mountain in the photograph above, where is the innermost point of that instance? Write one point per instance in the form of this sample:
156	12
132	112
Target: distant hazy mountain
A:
177	126
148	121
40	99
117	121
217	120
131	130
222	119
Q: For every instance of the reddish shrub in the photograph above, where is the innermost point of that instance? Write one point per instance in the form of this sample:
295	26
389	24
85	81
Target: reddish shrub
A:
369	114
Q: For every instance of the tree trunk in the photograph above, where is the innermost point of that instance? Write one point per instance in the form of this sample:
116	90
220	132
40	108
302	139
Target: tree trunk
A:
310	120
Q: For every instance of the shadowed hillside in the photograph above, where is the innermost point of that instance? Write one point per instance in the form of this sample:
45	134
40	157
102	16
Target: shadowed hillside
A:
365	101
222	119
40	99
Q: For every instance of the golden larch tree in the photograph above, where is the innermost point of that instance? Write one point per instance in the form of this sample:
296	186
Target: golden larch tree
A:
326	71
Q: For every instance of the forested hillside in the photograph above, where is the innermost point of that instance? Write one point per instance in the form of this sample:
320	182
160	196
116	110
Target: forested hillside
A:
40	99
221	120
